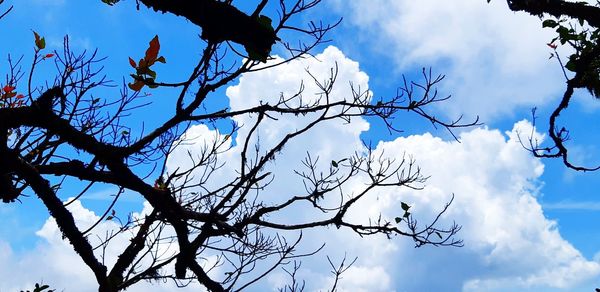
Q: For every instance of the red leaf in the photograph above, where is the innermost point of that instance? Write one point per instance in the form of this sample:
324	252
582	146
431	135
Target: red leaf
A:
143	64
20	96
8	88
132	62
152	51
37	36
49	56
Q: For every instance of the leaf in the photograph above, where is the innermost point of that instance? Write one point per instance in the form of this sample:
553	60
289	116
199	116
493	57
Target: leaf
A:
151	72
334	164
570	66
398	219
40	42
49	56
36	35
109	218
549	23
136	86
406	215
142	64
439	235
152	51
8	88
132	63
404	206
161	59
9	95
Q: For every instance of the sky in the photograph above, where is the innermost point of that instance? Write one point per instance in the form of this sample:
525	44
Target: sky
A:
527	224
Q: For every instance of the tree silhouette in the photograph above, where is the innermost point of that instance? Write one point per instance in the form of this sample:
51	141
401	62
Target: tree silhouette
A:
577	25
59	132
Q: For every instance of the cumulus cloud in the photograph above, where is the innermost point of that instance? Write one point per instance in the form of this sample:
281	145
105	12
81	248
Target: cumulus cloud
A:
509	244
492	57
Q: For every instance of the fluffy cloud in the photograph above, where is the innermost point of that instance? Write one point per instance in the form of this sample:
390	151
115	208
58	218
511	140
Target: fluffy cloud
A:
493	58
509	244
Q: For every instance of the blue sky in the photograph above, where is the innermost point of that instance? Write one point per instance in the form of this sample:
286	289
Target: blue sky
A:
528	224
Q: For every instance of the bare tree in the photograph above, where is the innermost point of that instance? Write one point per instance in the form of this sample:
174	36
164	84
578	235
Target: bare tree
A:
59	132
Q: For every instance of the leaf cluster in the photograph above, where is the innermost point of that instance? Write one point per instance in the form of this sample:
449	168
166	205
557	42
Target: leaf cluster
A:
143	74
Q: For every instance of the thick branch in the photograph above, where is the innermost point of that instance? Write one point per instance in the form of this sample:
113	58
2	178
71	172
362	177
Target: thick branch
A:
64	218
221	22
558	8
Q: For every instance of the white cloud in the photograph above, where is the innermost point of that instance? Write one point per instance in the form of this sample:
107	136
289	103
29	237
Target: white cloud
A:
363	279
494	60
512	246
509	244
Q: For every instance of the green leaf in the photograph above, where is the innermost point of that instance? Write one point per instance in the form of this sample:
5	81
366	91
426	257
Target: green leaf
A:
570	66
40	42
398	219
549	23
334	164
404	206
